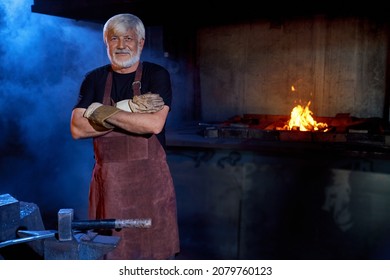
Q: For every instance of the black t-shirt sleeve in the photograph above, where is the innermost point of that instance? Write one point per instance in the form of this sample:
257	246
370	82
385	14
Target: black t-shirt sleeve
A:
92	87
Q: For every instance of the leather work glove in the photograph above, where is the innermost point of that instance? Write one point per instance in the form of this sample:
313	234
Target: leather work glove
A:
144	103
98	113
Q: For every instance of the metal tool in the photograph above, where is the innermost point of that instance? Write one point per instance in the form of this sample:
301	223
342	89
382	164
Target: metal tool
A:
66	224
67	227
33	235
21	222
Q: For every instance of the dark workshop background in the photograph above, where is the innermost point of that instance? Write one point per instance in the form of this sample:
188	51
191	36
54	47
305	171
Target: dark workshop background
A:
236	200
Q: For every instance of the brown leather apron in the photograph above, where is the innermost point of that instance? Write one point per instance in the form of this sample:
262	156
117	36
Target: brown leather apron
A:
131	180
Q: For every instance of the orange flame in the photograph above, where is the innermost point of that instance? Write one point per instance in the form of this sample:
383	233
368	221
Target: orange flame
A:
301	119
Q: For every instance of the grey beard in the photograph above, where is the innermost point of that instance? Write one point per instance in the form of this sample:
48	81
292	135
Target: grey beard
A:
128	63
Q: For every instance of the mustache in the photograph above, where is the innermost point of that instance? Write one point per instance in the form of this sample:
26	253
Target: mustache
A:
122	52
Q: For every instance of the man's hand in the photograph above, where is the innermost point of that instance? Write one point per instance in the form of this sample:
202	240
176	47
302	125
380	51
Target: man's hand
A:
144	103
147	103
97	113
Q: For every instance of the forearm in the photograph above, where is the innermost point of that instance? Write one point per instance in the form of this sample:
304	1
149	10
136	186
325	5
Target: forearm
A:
81	127
140	123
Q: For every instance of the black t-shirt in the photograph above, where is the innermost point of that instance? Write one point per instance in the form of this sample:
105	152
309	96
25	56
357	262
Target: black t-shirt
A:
155	79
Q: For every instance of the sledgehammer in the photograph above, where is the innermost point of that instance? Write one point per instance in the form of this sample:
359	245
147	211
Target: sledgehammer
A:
66	224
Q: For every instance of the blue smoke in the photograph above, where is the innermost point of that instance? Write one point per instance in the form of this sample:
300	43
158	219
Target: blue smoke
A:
43	60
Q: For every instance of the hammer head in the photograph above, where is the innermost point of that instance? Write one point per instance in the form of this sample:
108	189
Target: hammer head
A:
65	218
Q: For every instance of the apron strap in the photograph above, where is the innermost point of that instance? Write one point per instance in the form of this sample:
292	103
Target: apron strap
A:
107	100
137	80
107	90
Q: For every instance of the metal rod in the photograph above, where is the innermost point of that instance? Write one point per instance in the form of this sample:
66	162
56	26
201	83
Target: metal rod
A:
47	234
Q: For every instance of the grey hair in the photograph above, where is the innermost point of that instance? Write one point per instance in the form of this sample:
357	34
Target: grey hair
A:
122	23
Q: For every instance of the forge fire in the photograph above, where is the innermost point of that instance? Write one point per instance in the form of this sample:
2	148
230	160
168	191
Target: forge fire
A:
302	119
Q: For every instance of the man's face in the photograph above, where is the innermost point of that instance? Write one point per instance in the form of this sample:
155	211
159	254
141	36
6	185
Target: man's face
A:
123	48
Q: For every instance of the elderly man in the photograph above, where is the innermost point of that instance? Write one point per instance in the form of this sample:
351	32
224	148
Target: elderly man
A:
123	106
